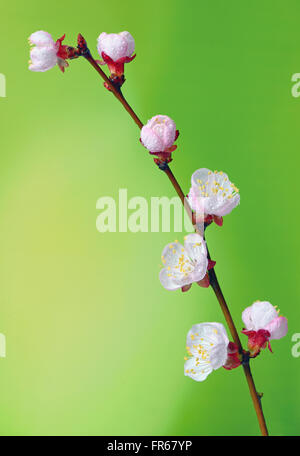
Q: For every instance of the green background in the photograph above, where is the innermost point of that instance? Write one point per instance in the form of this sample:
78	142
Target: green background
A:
95	345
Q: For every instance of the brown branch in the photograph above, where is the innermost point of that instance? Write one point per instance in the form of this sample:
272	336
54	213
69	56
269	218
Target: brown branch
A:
117	93
256	398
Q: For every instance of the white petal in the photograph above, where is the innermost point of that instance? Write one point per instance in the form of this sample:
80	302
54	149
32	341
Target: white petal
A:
197	203
213	331
114	45
167	280
246	317
163	131
218	355
41	38
171	276
208	341
197	370
171	254
195	247
213	192
151	140
130	42
200	176
222	333
278	328
43	58
262	313
225	206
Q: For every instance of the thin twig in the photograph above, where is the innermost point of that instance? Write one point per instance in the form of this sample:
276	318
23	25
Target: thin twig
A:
117	93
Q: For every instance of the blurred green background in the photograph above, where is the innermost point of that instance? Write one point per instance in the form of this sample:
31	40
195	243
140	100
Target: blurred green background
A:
95	345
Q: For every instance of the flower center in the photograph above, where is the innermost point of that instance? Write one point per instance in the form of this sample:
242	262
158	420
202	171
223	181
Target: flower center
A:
217	185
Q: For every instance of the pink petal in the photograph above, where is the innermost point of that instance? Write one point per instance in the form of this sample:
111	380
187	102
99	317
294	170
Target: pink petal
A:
41	38
246	317
278	328
151	140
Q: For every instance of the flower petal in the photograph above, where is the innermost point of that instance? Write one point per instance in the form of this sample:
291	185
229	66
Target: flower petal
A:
42	58
218	355
195	248
163	133
151	140
41	38
200	176
130	42
167	280
262	313
197	203
225	209
171	254
246	317
112	44
197	370
208	341
213	192
178	267
278	328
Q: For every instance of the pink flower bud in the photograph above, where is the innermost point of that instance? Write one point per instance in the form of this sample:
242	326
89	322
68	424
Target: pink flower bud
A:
115	50
46	53
116	45
158	136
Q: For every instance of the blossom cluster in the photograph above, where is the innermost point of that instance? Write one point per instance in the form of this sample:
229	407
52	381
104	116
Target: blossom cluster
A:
211	197
209	348
208	345
115	49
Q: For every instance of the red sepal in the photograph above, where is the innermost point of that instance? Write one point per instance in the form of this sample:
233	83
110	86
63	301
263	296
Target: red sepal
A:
62	49
186	287
211	264
257	340
116	68
233	357
204	282
218	220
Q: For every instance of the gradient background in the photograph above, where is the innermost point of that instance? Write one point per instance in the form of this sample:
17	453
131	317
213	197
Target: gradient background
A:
95	345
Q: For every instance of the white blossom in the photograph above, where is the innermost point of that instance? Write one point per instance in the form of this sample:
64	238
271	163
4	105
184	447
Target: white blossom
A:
207	347
184	265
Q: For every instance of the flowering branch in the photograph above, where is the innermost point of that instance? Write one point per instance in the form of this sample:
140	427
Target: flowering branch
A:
212	195
85	52
213	278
